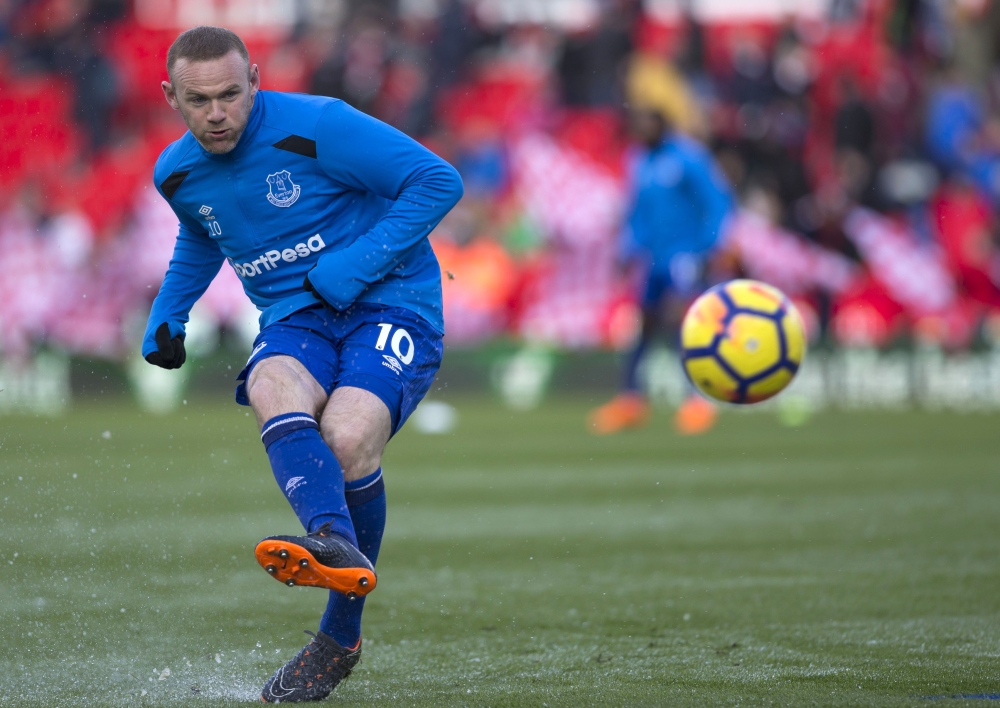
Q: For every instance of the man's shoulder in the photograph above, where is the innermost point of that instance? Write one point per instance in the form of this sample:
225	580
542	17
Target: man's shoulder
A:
688	149
295	113
178	156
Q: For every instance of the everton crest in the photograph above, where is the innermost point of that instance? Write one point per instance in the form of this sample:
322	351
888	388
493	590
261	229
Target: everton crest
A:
281	190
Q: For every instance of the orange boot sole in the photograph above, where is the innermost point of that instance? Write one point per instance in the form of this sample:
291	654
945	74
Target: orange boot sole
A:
294	565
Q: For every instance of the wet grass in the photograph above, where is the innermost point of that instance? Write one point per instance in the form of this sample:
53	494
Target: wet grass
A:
850	562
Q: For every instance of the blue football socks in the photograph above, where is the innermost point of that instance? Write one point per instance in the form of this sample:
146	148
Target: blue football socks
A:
631	382
313	482
366	502
308	473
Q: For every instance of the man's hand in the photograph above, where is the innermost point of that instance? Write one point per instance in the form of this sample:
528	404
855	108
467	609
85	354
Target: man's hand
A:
310	288
170	352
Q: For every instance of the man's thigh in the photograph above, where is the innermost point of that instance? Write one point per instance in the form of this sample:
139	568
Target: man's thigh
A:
391	353
281	384
299	353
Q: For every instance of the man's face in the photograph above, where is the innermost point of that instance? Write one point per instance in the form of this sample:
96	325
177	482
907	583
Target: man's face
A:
647	126
214	97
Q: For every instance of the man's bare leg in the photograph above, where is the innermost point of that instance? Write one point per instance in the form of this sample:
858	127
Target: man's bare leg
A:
356	425
287	401
281	384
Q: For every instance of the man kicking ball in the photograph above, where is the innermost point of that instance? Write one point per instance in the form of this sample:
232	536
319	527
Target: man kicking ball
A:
323	212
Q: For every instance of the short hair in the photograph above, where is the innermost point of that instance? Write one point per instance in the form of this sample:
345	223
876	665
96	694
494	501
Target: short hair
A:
205	43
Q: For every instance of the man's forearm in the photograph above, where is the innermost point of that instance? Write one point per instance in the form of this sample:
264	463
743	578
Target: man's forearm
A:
341	276
195	263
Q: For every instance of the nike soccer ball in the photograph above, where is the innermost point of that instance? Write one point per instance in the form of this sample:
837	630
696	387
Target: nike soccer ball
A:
742	342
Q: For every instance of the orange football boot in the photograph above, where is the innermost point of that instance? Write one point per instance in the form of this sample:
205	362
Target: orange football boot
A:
626	410
695	416
322	559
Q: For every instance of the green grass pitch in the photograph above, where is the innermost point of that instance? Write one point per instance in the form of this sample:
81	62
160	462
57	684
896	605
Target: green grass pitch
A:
853	561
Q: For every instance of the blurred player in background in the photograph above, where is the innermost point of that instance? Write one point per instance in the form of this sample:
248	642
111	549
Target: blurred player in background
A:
323	213
680	201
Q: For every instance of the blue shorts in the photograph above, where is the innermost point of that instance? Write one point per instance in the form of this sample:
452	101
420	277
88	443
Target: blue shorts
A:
389	351
683	276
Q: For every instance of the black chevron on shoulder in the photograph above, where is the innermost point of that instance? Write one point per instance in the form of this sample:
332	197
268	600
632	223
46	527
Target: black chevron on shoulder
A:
298	145
171	183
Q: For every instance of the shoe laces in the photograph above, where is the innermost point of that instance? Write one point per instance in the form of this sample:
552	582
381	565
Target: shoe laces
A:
321	653
323	531
321	644
326	532
327	646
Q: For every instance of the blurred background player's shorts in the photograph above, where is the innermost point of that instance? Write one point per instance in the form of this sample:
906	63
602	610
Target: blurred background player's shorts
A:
684	276
388	351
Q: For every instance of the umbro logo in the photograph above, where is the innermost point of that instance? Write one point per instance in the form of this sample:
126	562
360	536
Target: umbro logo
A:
392	363
255	350
294	483
205	210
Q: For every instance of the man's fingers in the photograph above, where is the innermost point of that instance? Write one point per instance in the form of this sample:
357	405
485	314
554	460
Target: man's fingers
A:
163	343
179	355
169	352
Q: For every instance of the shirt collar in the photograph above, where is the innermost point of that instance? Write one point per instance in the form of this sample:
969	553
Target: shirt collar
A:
665	144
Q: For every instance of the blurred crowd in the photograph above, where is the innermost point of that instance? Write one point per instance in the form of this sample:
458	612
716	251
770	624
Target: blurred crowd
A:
863	144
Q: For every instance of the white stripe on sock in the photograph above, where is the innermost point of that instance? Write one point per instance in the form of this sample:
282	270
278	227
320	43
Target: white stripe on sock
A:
272	426
361	489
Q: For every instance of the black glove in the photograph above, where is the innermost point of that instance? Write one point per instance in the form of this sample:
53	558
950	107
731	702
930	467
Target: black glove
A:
170	352
310	288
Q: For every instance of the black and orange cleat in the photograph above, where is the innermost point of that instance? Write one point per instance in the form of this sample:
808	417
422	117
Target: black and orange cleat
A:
313	673
322	559
624	411
695	416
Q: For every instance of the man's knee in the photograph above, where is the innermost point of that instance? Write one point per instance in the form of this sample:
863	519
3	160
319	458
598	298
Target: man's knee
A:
357	453
356	425
267	379
281	384
261	383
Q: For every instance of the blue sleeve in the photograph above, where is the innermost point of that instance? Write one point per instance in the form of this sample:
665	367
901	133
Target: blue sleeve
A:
367	155
628	248
193	267
952	116
631	245
710	188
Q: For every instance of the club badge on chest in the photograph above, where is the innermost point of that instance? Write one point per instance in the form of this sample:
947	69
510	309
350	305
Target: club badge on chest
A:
281	190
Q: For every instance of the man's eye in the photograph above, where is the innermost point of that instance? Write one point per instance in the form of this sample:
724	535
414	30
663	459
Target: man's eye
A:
197	101
230	94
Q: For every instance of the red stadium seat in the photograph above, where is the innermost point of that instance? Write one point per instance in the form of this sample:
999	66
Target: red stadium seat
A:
140	54
37	133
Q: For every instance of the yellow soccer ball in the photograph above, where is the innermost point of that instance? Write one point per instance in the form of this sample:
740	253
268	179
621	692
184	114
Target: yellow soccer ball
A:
742	342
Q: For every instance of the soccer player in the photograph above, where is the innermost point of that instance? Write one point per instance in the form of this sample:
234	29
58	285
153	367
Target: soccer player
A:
323	212
680	201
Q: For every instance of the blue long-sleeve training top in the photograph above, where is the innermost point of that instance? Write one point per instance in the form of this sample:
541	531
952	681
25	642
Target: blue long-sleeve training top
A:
313	186
680	201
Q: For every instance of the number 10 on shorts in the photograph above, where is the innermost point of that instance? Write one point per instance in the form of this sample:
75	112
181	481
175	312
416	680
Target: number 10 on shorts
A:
396	342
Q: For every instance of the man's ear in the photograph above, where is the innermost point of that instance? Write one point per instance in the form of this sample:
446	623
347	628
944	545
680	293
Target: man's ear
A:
170	94
254	79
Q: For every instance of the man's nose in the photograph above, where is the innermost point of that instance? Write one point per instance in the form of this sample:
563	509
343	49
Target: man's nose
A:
216	114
